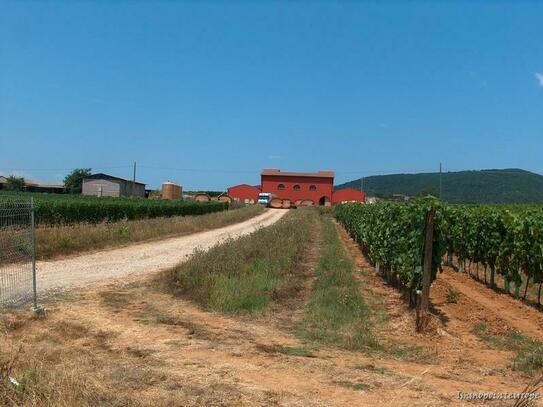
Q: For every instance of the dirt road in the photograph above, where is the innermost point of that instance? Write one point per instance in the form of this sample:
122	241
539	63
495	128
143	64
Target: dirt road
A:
140	258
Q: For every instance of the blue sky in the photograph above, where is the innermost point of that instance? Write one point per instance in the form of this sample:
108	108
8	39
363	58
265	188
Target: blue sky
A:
207	94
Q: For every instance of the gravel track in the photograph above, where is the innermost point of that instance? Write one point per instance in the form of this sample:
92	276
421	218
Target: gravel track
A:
141	258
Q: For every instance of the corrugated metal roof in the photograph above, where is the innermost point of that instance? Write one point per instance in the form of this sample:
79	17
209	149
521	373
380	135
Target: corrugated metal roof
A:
101	175
318	174
47	185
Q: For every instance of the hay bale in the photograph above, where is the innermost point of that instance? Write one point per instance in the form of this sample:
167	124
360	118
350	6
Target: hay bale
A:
276	203
307	202
202	197
225	198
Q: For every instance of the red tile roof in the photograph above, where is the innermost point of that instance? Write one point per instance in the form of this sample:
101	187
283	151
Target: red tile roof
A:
318	174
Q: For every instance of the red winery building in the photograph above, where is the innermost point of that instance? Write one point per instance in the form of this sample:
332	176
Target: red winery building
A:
317	187
314	186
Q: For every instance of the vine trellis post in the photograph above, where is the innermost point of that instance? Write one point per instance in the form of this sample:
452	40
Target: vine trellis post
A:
423	309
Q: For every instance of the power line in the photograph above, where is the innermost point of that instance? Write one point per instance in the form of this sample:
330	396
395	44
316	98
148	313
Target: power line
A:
361	172
68	169
209	170
440	182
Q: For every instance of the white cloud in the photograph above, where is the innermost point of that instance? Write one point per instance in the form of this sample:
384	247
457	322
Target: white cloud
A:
539	77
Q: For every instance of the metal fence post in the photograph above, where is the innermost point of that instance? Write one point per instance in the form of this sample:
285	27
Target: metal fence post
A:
37	310
18	274
33	234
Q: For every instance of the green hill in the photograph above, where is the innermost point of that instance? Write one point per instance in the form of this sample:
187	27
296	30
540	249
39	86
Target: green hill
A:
485	186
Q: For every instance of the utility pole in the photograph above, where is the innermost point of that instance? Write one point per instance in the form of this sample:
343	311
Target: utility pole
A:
362	184
134	181
440	182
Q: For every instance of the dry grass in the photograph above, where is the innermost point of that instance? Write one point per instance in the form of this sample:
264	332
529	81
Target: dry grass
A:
68	363
246	274
69	239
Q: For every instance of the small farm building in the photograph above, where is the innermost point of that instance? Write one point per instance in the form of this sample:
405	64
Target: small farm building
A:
108	185
348	195
36	186
244	193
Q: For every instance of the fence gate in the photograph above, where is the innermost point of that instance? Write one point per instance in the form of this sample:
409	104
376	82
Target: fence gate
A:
17	253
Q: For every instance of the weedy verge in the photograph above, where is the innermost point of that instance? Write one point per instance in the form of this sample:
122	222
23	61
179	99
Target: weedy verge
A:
245	275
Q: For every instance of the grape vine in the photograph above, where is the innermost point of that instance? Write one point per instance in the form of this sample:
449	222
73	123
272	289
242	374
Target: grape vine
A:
505	240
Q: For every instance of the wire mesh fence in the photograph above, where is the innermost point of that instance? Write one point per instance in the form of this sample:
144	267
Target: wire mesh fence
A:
17	253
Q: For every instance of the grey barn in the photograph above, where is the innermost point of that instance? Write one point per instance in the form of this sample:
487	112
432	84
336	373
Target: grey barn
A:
108	185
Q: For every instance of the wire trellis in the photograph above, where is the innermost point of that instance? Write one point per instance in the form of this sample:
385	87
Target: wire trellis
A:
17	253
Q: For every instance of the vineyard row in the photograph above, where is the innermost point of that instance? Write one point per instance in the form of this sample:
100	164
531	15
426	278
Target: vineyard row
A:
69	210
508	240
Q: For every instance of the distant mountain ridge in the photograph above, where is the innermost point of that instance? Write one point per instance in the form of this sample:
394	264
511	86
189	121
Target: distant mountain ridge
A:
507	186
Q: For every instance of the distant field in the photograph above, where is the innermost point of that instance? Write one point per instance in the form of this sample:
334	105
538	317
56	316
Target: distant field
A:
54	209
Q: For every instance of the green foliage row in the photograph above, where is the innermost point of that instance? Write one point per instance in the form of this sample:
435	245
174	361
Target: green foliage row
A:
68	209
393	235
507	239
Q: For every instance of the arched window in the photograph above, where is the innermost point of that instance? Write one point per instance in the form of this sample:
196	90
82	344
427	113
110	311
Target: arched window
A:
296	187
312	187
281	186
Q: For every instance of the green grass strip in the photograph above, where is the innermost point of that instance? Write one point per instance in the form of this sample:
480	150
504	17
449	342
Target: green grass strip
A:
337	313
